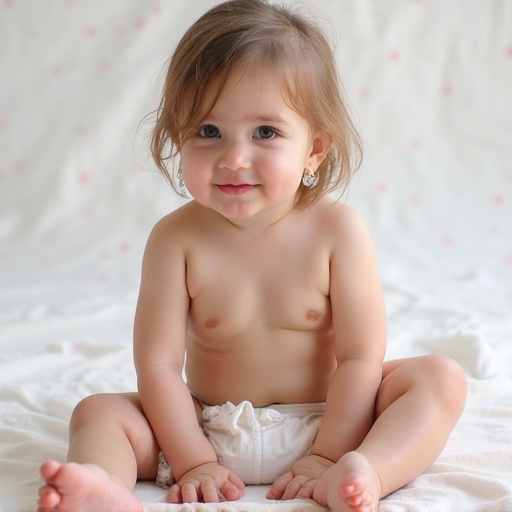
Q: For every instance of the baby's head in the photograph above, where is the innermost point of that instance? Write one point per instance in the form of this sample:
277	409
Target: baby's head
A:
258	35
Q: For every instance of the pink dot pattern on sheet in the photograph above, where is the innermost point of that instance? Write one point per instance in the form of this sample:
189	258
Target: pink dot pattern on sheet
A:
80	88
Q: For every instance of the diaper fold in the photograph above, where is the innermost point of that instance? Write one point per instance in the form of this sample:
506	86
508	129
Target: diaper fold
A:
235	418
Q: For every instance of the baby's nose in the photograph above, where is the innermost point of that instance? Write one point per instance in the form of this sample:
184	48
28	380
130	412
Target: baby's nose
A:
235	156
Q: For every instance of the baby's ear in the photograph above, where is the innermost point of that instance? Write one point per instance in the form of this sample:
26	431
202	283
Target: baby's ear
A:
319	149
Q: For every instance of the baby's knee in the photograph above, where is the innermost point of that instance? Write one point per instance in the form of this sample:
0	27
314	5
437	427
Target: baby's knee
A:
90	408
447	380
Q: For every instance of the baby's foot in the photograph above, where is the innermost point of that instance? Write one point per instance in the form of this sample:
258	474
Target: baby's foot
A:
351	485
83	488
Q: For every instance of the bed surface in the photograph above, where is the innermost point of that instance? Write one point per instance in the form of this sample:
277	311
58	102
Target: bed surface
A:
430	85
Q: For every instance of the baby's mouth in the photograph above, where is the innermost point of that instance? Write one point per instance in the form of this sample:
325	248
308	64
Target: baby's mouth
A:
236	190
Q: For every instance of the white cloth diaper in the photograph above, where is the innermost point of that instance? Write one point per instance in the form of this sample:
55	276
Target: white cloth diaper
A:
257	444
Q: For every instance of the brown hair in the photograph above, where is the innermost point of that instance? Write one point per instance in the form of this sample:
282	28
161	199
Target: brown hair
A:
254	32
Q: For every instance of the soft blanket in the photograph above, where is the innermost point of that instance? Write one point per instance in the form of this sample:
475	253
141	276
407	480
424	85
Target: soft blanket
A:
430	87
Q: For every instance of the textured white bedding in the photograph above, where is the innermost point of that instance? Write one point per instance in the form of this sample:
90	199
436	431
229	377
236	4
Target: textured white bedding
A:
430	83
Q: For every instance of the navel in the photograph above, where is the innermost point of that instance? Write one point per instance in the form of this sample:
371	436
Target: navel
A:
211	323
312	315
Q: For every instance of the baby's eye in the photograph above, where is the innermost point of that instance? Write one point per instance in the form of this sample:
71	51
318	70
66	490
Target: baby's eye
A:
265	132
209	131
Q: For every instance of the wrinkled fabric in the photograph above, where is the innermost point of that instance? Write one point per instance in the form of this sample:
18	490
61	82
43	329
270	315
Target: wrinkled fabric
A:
257	444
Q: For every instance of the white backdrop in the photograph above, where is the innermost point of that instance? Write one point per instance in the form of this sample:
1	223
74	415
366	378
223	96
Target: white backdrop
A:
430	86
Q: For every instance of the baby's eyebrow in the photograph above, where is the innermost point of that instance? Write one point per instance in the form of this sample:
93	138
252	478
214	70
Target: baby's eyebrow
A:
268	119
263	119
260	119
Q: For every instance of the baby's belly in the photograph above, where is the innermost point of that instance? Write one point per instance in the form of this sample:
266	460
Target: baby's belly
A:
282	373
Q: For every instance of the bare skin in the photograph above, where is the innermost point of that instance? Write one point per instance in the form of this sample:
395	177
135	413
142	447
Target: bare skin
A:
350	484
83	488
270	304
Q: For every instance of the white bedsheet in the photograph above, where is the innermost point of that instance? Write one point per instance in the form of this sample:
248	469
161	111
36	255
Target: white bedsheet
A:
430	83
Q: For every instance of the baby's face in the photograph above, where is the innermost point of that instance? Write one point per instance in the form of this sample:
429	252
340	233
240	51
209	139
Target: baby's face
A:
247	157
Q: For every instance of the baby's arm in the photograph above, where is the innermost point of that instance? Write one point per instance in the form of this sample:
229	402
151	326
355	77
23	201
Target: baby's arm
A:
359	329
359	337
159	352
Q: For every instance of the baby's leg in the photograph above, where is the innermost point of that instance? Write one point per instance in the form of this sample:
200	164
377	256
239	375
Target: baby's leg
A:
111	445
419	402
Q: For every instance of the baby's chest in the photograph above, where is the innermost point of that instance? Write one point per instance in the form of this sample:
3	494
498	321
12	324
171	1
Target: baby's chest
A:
238	298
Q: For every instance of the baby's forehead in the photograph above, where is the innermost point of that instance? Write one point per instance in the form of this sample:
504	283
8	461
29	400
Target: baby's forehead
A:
255	80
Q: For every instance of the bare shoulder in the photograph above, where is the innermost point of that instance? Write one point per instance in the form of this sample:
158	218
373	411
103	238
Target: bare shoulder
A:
168	244
343	223
173	231
176	223
353	257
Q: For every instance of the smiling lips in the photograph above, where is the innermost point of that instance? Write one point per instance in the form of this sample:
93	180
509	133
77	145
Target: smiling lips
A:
236	190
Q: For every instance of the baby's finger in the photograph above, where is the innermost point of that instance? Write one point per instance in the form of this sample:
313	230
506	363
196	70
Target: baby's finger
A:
279	486
307	490
234	489
293	488
174	495
188	493
237	482
209	492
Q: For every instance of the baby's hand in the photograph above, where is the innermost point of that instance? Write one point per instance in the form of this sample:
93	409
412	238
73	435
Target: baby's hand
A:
301	480
209	483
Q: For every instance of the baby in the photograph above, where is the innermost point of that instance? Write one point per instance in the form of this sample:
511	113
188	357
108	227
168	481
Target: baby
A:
265	290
